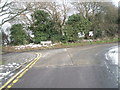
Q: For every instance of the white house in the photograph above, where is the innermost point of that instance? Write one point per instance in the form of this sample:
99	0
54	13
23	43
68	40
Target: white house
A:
91	34
82	34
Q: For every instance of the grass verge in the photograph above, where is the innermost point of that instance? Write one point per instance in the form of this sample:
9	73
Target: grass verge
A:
91	42
9	49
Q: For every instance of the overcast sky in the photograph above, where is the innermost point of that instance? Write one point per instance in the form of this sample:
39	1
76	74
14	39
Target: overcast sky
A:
116	2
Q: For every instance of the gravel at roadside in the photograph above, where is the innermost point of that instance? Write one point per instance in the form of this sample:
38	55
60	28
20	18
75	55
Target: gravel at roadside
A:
17	57
11	62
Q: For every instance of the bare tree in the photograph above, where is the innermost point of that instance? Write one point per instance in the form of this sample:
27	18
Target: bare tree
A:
87	9
57	11
10	10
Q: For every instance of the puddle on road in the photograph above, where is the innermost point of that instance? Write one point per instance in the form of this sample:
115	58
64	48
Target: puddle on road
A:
111	62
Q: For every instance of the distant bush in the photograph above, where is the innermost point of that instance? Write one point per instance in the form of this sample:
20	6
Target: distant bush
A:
18	35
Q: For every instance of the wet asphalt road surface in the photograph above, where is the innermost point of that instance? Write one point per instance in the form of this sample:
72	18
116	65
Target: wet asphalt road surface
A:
78	67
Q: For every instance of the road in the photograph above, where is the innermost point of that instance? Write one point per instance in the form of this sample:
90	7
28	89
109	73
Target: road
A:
78	67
